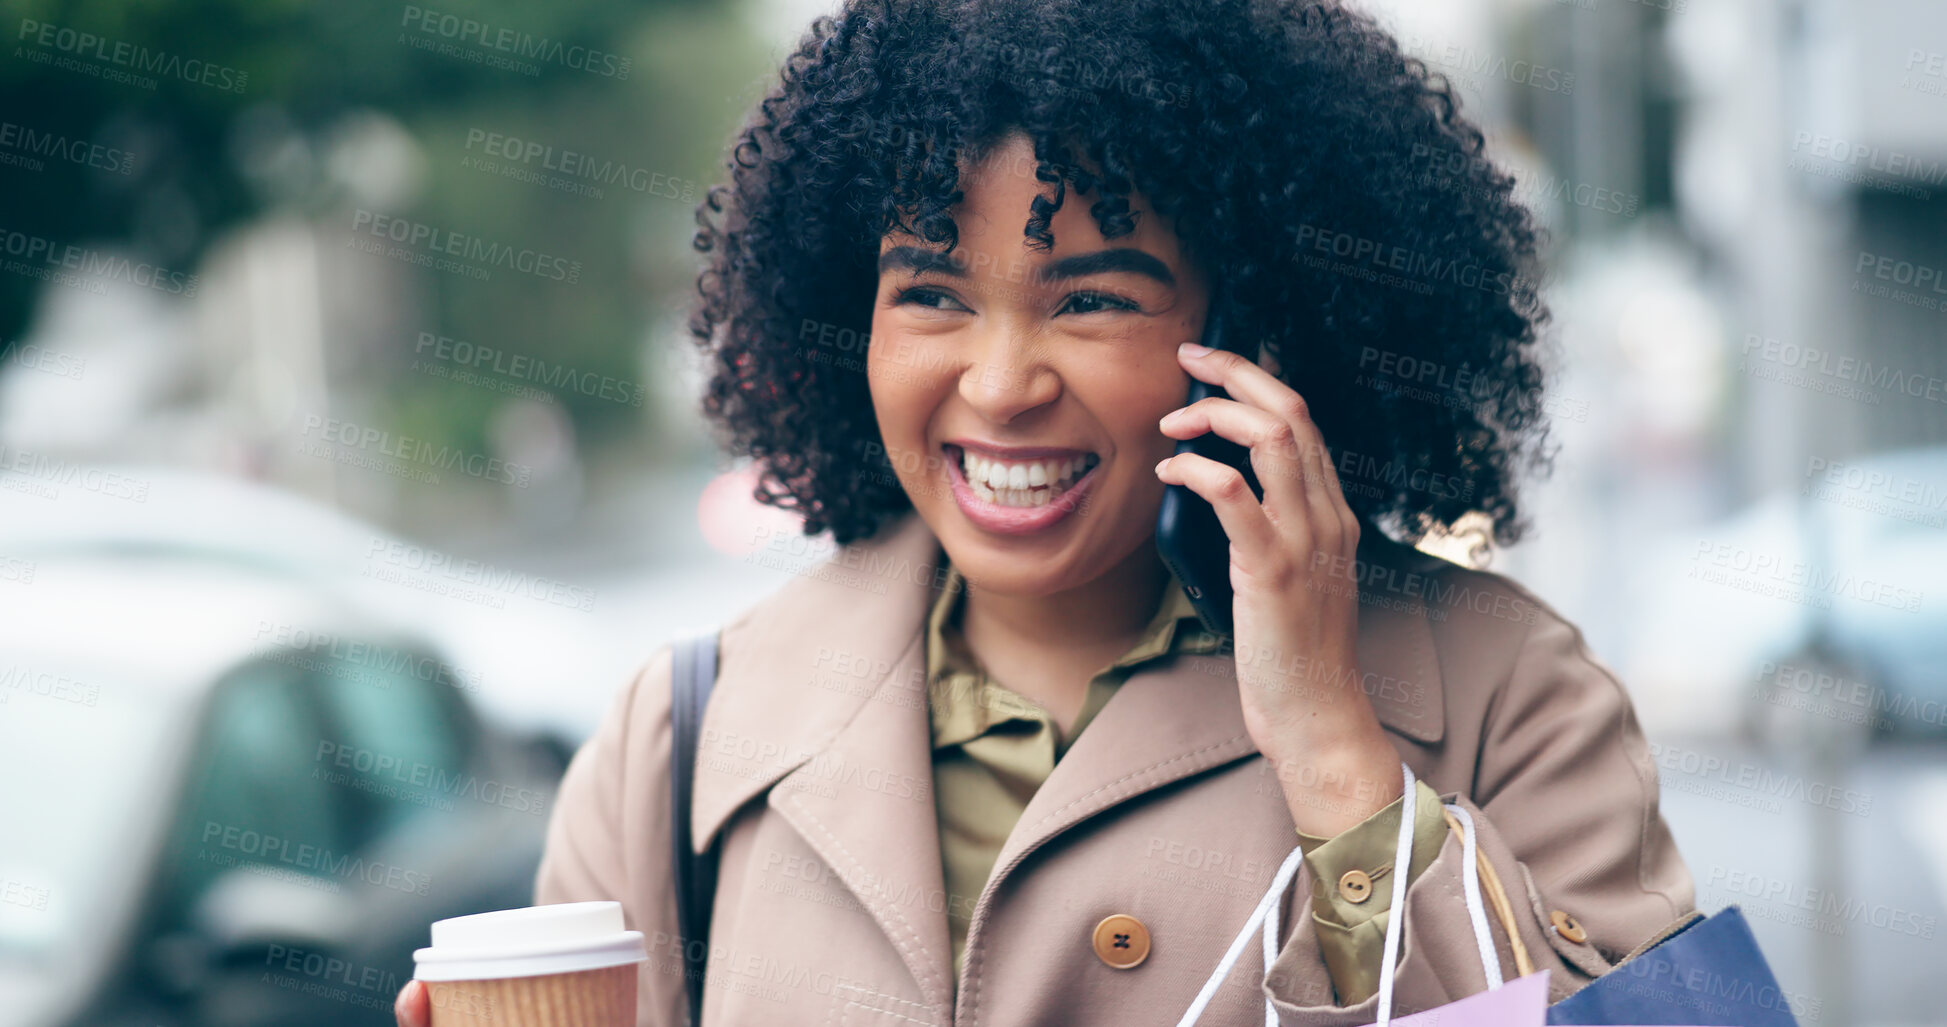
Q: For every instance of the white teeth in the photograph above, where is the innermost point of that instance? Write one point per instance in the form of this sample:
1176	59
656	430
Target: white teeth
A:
1026	484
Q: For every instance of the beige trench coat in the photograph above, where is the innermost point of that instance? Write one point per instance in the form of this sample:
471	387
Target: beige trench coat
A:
815	769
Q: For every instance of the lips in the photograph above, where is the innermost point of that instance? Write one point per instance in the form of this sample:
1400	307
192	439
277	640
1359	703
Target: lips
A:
1019	490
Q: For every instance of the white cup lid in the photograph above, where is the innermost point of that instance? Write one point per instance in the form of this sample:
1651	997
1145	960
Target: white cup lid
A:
529	942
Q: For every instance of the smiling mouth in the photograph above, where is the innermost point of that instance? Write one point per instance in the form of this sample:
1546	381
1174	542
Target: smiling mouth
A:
1020	483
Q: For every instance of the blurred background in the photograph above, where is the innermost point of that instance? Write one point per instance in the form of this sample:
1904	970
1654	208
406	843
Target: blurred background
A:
322	548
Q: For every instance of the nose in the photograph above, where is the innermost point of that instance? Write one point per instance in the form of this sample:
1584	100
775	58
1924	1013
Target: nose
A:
1008	375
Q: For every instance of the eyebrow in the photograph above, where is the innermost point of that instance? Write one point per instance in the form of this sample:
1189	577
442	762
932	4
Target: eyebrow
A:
918	259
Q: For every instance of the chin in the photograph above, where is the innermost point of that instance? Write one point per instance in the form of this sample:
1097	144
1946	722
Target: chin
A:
1027	565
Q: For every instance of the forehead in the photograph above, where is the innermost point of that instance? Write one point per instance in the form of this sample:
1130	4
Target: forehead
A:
998	190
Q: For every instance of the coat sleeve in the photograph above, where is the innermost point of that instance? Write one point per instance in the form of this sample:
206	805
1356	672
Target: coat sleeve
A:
1351	927
609	836
1564	804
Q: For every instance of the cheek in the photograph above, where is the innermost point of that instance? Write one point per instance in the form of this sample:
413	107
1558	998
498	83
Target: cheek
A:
1130	404
903	398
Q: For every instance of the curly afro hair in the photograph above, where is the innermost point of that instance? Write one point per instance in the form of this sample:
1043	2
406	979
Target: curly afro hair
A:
1326	178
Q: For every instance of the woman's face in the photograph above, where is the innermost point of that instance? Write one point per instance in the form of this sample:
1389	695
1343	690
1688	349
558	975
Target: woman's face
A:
1018	391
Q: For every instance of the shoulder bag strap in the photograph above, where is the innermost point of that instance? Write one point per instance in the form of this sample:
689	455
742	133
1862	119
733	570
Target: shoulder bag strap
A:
692	677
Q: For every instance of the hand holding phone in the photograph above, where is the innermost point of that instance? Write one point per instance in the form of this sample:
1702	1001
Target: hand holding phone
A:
1189	536
1289	544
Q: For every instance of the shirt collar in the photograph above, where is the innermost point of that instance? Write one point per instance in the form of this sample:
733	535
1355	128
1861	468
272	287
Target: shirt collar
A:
965	704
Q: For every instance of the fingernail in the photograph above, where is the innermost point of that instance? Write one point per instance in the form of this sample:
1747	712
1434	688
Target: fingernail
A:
1194	349
1160	463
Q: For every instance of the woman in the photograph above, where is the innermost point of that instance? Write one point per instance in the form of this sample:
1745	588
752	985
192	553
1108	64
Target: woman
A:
985	766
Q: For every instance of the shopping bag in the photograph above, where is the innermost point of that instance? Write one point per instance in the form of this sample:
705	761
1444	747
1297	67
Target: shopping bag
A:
1519	1003
1522	1002
1709	972
1717	958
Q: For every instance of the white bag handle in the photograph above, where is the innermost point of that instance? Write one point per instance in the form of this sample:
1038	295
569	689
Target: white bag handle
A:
1266	915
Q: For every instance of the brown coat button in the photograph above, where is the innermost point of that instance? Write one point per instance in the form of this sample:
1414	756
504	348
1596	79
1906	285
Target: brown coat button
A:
1355	886
1569	927
1121	941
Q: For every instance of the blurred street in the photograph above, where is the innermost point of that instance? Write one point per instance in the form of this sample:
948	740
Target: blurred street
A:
314	539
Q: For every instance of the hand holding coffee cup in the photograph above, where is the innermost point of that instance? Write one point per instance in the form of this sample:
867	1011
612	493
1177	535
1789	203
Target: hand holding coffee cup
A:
566	965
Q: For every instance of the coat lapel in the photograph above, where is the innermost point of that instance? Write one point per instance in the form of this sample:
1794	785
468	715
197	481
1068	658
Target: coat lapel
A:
821	693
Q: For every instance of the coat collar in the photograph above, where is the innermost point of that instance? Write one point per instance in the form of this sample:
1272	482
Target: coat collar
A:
821	692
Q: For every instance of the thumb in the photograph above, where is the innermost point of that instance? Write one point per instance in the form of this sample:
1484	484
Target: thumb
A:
413	1007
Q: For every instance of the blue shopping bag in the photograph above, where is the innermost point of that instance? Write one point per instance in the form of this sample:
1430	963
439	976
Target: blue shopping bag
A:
1709	972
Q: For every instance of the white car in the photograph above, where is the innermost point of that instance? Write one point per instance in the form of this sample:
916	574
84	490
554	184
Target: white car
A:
236	784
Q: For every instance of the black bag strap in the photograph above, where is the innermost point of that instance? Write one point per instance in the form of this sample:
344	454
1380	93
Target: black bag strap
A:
692	677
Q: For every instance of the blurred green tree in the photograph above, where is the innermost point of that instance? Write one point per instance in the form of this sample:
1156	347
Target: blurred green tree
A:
245	97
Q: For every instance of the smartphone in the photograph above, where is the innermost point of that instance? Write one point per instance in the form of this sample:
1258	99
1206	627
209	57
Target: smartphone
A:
1188	534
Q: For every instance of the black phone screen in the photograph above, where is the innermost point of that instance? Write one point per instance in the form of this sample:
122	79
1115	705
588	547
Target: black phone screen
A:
1189	536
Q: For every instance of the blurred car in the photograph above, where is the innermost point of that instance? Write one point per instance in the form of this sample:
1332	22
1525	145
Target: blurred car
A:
1826	596
236	786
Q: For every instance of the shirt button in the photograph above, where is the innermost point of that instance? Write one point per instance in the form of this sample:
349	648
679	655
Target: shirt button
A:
1568	926
1121	941
1355	886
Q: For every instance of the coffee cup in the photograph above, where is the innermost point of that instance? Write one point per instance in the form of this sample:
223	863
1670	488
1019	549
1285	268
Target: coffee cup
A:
567	965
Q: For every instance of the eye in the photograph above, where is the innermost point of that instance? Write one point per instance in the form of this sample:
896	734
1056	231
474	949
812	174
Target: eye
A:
1095	302
925	297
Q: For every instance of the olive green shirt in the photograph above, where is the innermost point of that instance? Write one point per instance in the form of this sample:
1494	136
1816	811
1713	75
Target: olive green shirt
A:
992	748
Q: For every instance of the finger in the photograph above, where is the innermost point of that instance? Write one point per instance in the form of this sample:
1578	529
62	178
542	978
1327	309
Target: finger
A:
1324	508
1274	450
1248	383
1323	489
1245	381
413	1007
1349	534
1224	488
